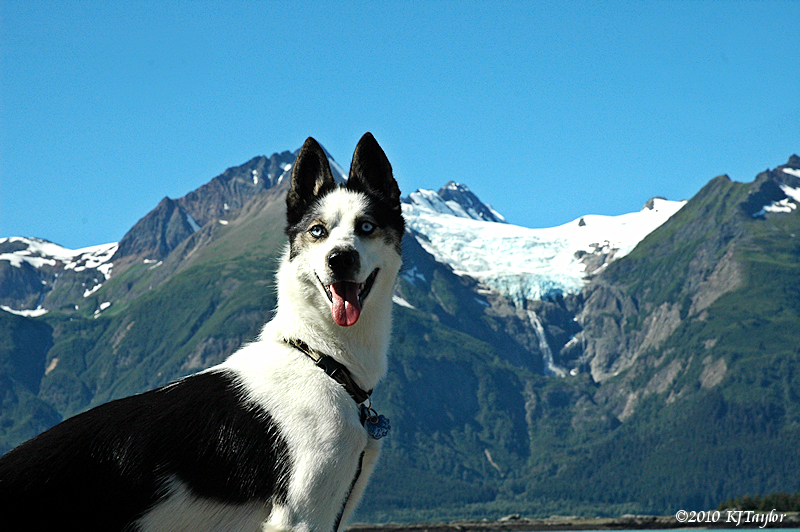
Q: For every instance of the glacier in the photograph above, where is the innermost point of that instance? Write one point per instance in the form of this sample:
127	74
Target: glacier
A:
524	263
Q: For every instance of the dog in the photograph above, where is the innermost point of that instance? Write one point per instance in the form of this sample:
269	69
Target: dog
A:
281	436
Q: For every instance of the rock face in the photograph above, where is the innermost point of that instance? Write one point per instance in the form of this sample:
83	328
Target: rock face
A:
626	313
21	287
676	274
173	221
158	233
235	186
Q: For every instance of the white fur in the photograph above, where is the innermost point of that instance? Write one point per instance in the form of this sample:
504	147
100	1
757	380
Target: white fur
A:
182	512
315	415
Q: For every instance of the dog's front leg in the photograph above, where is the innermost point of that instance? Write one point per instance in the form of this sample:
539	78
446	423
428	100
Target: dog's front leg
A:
371	454
321	477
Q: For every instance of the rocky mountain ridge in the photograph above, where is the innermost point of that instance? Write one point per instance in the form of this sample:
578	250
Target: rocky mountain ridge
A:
698	252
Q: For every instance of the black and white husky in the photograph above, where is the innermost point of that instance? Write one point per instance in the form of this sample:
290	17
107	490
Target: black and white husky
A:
279	437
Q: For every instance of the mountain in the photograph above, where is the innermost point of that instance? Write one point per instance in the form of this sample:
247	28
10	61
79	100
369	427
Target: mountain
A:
532	269
691	342
641	363
36	275
156	235
719	243
33	270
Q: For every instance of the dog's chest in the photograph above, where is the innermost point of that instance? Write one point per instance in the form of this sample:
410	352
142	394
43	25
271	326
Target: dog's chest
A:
314	414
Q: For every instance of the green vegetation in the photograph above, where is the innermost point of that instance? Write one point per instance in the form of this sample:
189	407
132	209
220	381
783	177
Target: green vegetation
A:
781	502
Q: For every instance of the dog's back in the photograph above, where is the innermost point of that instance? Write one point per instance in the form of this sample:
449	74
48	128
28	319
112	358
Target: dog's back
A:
105	468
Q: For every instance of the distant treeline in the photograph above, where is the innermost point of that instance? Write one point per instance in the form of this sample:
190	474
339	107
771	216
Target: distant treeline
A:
781	501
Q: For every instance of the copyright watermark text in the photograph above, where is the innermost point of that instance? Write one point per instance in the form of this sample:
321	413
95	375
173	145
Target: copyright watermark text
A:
734	517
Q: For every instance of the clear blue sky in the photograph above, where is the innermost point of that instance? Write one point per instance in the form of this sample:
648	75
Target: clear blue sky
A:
547	110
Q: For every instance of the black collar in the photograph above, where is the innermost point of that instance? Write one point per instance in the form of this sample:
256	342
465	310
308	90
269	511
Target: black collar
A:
334	369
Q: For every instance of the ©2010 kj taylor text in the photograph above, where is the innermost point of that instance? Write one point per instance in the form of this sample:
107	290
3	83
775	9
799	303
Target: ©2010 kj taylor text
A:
736	517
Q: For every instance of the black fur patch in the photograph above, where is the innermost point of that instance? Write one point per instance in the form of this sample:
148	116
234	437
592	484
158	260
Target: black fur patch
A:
311	179
103	469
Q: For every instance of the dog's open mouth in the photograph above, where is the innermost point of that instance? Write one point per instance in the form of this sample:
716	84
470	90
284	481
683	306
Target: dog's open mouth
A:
347	297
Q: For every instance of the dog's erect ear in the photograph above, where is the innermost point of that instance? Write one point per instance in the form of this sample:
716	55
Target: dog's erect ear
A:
371	172
311	177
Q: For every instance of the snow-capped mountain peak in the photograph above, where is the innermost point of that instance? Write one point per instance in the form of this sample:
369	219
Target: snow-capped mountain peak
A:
38	264
38	252
454	199
525	263
461	199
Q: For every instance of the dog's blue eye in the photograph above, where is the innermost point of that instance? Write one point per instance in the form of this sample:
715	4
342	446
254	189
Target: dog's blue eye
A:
366	227
317	231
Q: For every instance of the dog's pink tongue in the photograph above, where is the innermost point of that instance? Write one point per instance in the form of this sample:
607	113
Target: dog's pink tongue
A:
345	308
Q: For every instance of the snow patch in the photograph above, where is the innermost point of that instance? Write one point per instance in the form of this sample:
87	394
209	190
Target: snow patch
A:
39	253
51	366
793	193
482	302
784	205
39	311
496	214
192	222
412	275
91	291
286	167
791	171
16	260
402	302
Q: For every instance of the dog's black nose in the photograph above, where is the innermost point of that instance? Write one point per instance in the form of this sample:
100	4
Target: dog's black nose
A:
343	261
